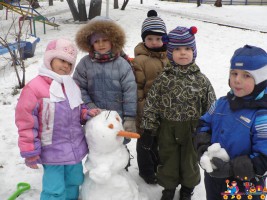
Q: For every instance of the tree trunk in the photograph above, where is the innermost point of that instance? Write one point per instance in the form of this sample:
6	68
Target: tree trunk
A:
34	3
198	3
116	4
95	8
141	1
50	2
73	9
218	3
124	4
82	10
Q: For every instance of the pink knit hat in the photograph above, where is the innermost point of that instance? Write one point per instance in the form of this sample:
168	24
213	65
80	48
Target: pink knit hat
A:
61	48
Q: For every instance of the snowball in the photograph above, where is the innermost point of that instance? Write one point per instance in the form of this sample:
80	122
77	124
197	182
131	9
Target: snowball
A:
214	150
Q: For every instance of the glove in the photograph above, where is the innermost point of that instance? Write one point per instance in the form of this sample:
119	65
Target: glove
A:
201	142
243	167
129	124
32	162
223	169
146	139
260	164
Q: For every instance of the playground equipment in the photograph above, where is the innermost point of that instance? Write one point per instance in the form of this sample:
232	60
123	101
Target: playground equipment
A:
29	49
28	13
25	48
21	187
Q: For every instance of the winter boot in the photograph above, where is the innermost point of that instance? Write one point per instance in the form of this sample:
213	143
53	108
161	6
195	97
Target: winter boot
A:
149	179
186	193
168	194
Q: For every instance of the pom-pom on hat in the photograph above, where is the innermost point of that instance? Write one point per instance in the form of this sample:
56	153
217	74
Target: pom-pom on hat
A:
61	48
251	59
153	25
181	36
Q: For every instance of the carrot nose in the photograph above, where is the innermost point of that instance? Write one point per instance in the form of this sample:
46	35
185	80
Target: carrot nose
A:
128	134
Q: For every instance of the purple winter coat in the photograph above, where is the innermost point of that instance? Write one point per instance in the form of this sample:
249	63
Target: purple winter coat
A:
50	130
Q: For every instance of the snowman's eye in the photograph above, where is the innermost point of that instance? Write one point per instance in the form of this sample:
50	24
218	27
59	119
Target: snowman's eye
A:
111	126
118	119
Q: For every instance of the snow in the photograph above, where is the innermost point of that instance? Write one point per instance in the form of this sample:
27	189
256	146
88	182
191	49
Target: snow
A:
215	46
214	150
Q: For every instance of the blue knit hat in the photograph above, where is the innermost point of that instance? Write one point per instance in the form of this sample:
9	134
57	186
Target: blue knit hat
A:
253	60
181	36
153	25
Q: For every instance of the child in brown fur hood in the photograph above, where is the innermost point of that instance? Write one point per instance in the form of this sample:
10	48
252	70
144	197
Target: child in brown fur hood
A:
105	78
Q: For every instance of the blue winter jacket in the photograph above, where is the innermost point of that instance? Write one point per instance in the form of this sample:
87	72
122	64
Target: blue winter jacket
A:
109	85
241	132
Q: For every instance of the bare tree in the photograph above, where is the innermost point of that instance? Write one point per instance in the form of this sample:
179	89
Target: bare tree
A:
95	8
125	2
74	10
218	3
11	40
82	10
116	4
34	3
198	3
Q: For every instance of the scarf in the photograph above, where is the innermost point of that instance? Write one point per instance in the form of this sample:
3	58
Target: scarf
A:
101	58
73	92
163	48
249	102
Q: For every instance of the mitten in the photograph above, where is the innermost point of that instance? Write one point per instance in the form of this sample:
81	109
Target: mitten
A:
129	124
223	169
243	167
146	139
260	164
88	114
201	142
32	162
93	112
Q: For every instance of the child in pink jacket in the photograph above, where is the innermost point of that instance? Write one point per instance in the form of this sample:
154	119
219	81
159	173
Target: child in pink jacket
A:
48	116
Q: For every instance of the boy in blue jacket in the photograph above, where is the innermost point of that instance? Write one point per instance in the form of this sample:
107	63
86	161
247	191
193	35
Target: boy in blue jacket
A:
238	122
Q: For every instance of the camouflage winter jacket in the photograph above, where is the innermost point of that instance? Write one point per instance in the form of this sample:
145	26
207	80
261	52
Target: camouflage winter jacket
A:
177	95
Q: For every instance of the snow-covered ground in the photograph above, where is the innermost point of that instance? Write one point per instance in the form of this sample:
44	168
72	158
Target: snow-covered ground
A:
215	45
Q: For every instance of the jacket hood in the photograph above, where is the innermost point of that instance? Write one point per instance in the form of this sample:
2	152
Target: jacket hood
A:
104	26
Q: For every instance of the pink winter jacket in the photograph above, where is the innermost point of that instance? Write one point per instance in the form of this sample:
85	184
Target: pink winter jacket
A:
50	130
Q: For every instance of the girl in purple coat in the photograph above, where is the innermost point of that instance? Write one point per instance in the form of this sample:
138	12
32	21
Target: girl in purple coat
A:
49	114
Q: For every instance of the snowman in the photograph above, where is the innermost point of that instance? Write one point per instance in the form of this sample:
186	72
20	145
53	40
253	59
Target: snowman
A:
106	178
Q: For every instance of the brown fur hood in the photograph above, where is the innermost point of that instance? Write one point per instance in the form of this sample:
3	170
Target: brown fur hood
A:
101	25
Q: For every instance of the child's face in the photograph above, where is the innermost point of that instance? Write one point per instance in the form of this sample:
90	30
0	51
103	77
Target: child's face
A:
182	55
241	82
102	45
153	41
60	66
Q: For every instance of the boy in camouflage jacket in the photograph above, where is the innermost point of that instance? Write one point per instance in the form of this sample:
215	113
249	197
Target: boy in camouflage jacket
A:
175	102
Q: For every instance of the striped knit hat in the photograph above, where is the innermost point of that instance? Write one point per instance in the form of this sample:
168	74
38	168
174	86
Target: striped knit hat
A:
181	36
153	25
253	60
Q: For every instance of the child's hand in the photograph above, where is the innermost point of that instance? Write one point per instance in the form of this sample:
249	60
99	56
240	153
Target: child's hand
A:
32	162
93	112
